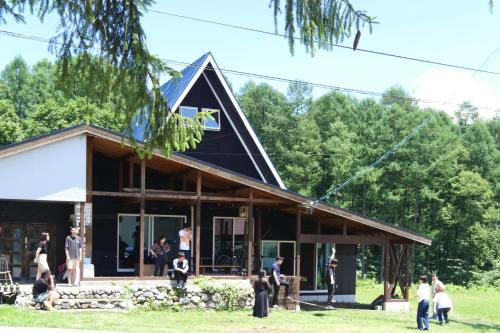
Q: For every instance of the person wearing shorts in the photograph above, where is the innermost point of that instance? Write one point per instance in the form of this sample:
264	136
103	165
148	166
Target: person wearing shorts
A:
73	248
44	291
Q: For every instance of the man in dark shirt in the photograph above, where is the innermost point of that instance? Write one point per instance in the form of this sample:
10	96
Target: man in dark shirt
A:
43	290
73	248
277	280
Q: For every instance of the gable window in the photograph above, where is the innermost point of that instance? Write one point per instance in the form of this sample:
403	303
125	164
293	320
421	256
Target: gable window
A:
212	122
188	111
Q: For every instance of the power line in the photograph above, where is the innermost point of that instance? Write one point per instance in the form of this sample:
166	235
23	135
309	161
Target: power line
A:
396	147
272	78
381	53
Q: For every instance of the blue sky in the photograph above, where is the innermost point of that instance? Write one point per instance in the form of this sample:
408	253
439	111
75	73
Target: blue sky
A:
458	32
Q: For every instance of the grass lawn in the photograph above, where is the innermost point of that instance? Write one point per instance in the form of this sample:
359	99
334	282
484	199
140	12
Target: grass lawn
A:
475	311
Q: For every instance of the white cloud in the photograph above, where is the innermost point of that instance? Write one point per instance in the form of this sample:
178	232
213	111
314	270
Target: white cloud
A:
454	86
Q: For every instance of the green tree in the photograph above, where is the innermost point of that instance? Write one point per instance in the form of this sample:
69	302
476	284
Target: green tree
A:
466	115
10	124
15	77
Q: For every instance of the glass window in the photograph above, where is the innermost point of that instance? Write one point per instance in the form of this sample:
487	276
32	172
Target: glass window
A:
323	253
273	249
128	237
188	111
212	122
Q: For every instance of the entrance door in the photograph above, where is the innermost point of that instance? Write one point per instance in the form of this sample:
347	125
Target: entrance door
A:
18	244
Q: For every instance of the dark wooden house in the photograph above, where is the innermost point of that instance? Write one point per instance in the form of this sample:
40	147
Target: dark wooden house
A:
227	188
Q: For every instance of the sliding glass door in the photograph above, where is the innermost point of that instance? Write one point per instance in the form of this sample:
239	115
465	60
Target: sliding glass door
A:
272	249
155	226
228	241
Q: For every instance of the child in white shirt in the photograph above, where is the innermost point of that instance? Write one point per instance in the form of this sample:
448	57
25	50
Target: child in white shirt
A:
423	295
442	305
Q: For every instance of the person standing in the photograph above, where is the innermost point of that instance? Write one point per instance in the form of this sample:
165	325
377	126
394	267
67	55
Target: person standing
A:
44	290
278	280
181	268
262	289
41	254
330	280
74	249
423	294
442	305
185	236
436	284
159	251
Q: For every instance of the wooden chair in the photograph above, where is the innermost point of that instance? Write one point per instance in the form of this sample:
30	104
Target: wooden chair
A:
4	271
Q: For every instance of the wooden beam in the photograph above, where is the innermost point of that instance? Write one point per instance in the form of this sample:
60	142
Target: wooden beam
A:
298	239
341	239
318	227
250	233
182	195
344	229
142	218
198	224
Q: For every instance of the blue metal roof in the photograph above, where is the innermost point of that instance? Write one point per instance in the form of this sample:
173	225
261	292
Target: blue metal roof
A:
172	91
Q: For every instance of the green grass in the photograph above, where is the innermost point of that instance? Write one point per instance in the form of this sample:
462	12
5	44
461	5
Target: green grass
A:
475	311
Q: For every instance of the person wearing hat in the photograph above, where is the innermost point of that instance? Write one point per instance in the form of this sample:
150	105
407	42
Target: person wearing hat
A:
330	280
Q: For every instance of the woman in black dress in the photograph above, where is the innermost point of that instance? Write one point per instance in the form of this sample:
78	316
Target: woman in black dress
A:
262	289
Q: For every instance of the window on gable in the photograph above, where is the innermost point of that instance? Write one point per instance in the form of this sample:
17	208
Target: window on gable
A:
188	111
213	121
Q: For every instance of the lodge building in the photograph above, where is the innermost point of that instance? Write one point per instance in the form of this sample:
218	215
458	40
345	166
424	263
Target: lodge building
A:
241	212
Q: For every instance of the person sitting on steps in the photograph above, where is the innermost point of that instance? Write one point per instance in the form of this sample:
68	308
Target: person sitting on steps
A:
181	268
44	290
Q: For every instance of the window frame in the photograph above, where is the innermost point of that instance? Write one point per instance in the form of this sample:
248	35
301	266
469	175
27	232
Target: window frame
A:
213	115
188	107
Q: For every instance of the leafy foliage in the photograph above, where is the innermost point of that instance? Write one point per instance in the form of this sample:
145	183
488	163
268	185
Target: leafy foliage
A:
444	182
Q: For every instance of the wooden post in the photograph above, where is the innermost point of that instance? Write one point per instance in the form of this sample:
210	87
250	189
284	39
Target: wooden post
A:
82	236
250	233
387	269
318	228
298	232
198	224
259	235
344	229
120	176
142	218
130	174
407	273
86	231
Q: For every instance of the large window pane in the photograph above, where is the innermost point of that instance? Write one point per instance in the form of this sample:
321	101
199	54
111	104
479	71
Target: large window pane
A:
269	254
128	242
324	251
287	251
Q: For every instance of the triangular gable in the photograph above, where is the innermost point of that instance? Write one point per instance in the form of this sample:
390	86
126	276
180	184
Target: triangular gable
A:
205	68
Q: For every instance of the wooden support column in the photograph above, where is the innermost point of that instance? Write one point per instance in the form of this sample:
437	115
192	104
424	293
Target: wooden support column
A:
318	227
130	174
142	217
250	233
298	232
259	234
387	268
120	176
407	273
82	236
198	224
86	230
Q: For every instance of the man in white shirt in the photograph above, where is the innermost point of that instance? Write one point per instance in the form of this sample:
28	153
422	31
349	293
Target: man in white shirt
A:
423	294
181	268
442	305
185	236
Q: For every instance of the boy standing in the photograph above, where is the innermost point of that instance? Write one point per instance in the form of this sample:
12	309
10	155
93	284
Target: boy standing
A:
185	236
278	280
73	249
423	294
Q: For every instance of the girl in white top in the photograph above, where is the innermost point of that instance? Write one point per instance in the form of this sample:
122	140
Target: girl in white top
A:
442	305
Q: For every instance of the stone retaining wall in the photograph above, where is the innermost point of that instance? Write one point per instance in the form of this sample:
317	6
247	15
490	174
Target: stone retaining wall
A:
204	296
